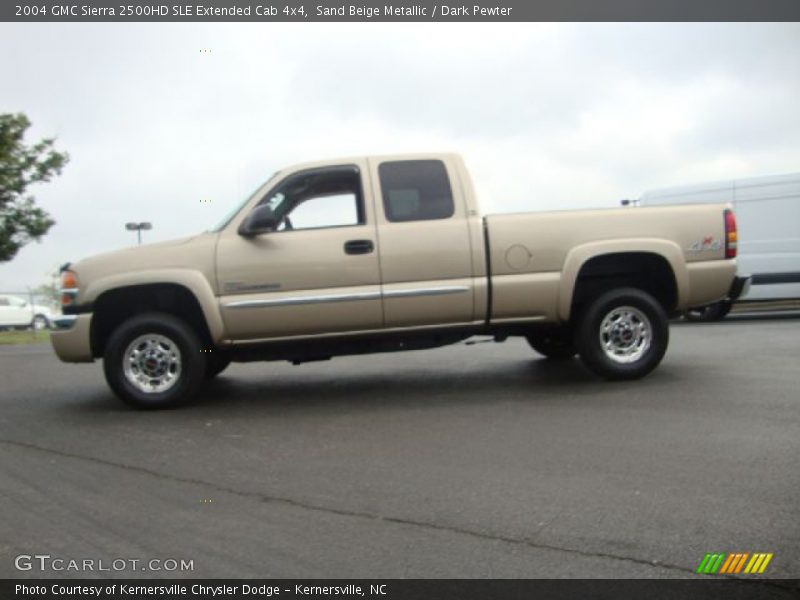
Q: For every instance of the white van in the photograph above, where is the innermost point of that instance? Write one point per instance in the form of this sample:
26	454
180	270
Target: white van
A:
768	217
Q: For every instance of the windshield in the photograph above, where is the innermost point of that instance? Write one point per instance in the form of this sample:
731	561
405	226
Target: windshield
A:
235	211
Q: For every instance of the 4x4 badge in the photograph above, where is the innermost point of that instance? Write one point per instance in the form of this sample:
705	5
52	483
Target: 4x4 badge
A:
708	243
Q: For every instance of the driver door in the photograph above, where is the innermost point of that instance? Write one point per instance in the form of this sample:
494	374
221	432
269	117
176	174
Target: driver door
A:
317	272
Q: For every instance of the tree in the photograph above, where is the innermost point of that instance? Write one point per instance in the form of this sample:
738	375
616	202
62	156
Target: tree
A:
21	221
50	290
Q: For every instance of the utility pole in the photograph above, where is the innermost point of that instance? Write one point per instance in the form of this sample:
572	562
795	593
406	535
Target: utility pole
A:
138	227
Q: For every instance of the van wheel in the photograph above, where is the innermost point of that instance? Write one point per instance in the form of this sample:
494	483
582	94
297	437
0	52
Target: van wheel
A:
623	334
555	344
153	360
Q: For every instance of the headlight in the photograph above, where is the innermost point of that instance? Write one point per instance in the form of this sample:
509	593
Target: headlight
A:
69	287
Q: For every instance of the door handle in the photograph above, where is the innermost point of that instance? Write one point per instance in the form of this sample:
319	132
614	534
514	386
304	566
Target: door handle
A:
359	247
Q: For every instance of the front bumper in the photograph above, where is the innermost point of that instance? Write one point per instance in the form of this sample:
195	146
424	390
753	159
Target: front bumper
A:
71	338
739	287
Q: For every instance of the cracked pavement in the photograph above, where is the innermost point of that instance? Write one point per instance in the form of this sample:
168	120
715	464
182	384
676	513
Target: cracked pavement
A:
467	461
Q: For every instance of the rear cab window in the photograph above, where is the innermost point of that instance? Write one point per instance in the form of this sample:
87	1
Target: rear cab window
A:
415	190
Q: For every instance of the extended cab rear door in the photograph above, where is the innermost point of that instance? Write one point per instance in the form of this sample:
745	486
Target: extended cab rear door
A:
426	258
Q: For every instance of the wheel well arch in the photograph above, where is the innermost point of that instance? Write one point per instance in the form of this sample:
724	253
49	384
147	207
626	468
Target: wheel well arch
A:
647	271
116	305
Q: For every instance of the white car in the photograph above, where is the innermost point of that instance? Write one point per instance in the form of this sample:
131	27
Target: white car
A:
16	311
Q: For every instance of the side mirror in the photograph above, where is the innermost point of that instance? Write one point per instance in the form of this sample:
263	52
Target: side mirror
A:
260	220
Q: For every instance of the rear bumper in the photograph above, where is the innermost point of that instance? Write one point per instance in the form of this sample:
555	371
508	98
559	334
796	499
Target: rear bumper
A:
739	287
71	338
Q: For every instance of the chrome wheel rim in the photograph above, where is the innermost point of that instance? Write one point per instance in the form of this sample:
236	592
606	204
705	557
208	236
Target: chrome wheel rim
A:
625	334
39	323
152	363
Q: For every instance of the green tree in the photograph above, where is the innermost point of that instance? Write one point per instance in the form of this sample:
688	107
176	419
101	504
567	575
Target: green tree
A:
21	221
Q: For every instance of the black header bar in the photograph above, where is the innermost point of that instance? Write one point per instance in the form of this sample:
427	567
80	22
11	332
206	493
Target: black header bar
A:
398	10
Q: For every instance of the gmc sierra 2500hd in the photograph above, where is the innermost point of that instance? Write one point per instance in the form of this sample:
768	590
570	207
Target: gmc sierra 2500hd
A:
379	254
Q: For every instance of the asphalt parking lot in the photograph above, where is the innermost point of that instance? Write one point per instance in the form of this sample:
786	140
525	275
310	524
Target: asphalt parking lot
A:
467	461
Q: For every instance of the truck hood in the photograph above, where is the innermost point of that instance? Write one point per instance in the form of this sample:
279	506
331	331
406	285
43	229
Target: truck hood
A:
193	253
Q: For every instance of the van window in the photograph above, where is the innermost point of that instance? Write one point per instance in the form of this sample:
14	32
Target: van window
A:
415	190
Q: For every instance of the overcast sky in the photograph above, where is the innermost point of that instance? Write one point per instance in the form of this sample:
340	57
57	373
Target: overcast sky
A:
548	116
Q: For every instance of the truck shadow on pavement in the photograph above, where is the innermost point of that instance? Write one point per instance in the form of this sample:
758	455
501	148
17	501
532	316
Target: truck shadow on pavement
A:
245	387
537	380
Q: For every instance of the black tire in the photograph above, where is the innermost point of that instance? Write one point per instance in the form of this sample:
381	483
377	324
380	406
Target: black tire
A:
555	345
216	363
174	335
40	322
639	336
712	312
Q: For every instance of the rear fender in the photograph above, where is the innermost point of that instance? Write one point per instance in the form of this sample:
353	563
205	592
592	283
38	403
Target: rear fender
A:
578	256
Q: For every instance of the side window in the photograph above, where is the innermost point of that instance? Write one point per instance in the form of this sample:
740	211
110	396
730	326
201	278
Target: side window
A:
340	210
3	301
415	190
319	198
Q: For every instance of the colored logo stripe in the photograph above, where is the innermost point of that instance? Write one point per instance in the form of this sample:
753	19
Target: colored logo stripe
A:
733	563
758	563
710	563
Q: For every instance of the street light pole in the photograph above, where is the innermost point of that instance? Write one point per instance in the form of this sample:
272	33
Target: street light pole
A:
138	227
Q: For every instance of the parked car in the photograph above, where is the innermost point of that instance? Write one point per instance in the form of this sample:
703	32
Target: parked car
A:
768	215
16	311
381	254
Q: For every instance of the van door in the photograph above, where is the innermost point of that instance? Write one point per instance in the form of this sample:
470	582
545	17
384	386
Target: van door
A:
767	214
317	272
426	258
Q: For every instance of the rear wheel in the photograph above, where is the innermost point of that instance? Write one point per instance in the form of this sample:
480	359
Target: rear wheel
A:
623	334
153	360
555	345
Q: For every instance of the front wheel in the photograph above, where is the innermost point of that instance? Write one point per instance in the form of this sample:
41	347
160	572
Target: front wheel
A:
623	334
216	363
154	360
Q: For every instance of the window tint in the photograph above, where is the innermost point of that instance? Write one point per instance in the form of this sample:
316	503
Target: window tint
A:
415	190
318	198
3	301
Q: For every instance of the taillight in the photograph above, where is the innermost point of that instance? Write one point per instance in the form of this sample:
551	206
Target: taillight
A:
69	287
731	235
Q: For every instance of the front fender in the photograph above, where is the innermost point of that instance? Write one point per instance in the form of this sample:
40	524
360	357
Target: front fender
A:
194	281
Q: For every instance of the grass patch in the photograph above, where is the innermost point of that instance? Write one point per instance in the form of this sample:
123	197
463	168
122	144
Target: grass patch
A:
24	337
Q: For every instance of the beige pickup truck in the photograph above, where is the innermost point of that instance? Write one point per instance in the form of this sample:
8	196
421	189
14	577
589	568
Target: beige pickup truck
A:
379	254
